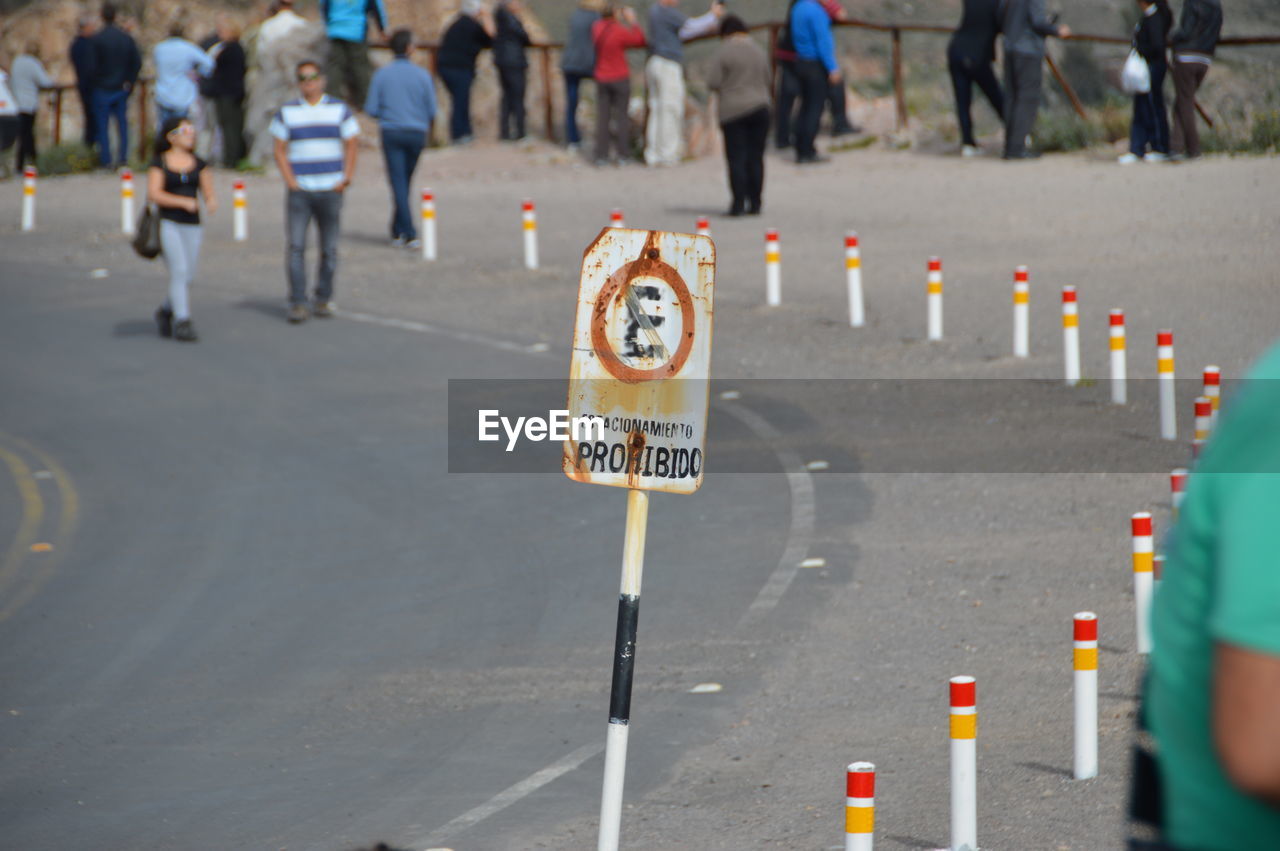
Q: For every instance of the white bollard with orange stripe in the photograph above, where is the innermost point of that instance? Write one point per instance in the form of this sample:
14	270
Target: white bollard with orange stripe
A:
853	275
1143	553
29	198
1021	311
772	269
1119	392
1070	336
859	806
530	224
933	287
127	225
1203	423
1085	693
1164	370
239	212
964	764
704	226
428	224
1177	488
616	220
1213	389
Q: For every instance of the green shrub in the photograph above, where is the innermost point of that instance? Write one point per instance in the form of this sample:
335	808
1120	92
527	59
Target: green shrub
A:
1264	137
69	158
1065	132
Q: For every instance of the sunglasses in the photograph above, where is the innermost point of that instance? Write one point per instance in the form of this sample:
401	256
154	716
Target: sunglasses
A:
306	78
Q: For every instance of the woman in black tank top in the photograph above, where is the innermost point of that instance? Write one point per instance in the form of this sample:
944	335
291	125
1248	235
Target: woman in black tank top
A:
176	180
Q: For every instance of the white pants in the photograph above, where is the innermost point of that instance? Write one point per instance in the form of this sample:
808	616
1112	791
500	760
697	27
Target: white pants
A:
180	246
665	133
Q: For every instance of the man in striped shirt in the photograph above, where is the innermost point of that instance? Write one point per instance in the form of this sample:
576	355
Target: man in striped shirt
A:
315	149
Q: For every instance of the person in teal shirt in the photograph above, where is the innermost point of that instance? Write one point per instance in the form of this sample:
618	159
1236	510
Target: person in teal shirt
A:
1213	689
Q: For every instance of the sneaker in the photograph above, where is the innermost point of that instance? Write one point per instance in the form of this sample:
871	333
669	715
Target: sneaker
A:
323	309
184	331
298	314
1155	157
164	321
970	151
397	242
413	244
1128	159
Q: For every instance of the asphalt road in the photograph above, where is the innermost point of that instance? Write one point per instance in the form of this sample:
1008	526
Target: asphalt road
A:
275	620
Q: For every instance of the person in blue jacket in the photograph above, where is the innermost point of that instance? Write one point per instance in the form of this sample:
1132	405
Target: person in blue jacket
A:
816	68
346	23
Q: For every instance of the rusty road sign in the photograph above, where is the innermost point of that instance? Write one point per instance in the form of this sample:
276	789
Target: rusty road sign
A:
641	359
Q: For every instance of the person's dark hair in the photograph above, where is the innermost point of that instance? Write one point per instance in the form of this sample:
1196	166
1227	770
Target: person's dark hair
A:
162	141
108	13
177	30
609	11
401	40
732	24
305	63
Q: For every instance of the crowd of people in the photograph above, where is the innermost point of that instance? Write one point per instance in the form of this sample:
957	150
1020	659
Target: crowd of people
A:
313	136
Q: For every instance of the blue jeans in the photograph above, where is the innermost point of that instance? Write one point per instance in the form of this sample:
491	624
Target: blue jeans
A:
571	83
458	81
108	105
300	208
1150	120
401	148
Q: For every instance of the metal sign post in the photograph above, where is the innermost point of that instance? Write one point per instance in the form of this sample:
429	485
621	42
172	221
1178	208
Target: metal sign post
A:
641	352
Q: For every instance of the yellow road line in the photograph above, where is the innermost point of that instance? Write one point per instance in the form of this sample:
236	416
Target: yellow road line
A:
32	517
68	516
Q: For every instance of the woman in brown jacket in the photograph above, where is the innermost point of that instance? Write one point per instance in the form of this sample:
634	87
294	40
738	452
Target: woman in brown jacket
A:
739	74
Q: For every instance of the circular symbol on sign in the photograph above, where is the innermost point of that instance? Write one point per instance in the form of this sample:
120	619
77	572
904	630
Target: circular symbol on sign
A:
642	324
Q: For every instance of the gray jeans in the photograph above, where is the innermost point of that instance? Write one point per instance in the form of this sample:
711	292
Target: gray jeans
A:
300	208
1022	77
180	247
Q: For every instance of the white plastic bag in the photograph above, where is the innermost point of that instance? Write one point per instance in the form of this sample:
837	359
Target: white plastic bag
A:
1135	78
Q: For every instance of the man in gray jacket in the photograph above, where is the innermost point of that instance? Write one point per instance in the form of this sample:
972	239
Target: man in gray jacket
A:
1025	27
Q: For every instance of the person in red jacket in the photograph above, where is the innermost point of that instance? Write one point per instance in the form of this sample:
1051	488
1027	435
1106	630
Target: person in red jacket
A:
612	35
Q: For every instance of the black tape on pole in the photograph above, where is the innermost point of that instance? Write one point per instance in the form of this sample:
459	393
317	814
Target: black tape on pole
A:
624	660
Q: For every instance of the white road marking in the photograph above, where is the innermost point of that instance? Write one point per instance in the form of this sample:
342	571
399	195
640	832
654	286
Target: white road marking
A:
424	328
803	516
706	688
814	562
510	795
817	465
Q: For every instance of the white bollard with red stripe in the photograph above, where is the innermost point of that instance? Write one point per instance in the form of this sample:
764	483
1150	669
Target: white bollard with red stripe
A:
29	198
1213	389
1070	336
1203	424
964	764
1143	553
704	226
1021	311
428	224
1119	392
853	276
1164	372
933	287
772	269
127	224
859	806
616	220
1177	488
239	212
1085	693
530	224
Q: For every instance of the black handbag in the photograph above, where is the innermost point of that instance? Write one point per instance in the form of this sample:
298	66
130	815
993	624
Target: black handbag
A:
146	237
